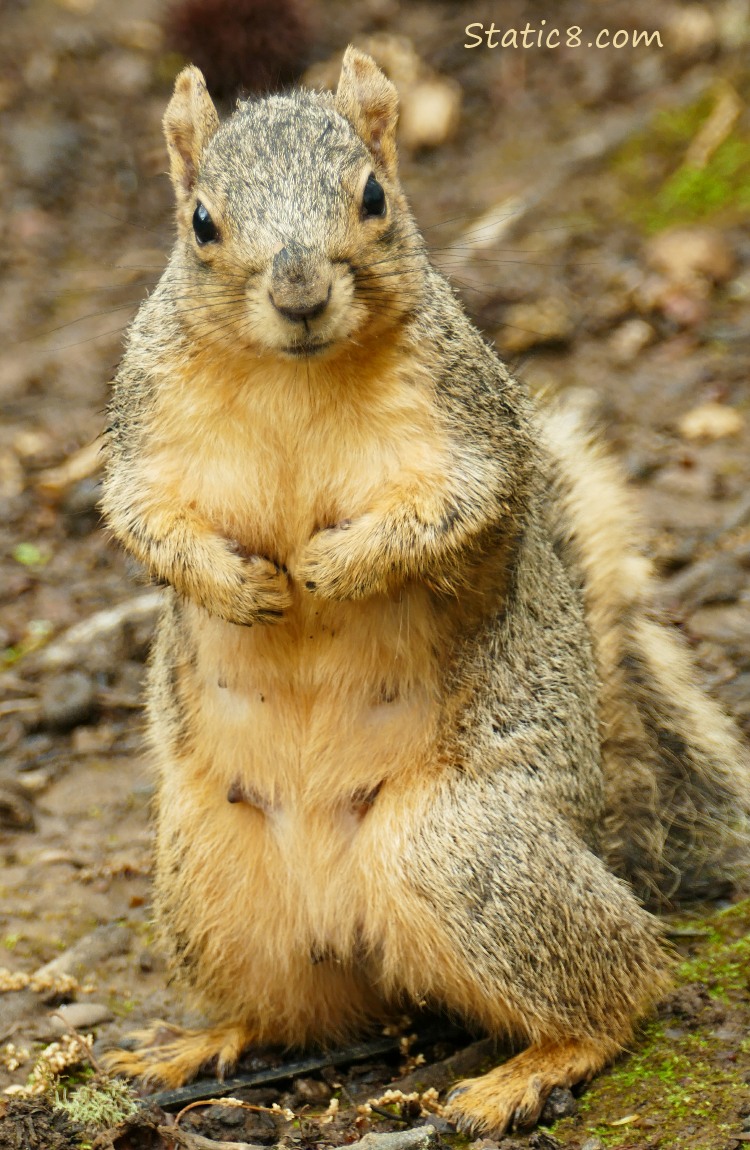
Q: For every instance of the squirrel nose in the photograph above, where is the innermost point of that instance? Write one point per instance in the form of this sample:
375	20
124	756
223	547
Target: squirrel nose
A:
300	288
303	310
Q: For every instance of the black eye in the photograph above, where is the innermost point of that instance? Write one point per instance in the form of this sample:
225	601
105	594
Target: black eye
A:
373	200
204	227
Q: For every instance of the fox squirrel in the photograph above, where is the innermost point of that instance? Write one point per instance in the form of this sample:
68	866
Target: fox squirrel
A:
414	720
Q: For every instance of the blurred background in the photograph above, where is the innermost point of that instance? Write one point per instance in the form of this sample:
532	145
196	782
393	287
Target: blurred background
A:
591	206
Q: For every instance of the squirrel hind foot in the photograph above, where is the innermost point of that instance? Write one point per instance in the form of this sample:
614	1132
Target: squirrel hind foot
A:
169	1056
513	1095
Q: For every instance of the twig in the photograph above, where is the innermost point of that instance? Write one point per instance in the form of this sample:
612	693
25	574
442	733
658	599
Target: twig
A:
70	647
192	1141
82	464
416	1139
236	1103
442	1074
501	220
210	1088
85	1048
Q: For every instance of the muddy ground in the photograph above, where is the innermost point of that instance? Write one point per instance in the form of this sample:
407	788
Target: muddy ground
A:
551	207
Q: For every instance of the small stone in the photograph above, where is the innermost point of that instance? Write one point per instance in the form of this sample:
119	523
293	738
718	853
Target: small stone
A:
80	1016
16	812
729	1033
725	624
525	325
541	1140
592	1144
560	1104
691	257
46	151
139	35
79	7
230	1116
68	700
430	113
692	31
718	579
312	1090
711	421
127	73
630	339
441	1125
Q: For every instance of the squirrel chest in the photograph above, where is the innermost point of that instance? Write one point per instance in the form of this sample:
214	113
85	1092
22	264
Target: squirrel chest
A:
305	719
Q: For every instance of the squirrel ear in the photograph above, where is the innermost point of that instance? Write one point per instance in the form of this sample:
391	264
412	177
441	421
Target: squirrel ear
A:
189	123
369	102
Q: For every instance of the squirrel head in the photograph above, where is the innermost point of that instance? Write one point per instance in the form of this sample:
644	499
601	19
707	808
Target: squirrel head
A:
294	237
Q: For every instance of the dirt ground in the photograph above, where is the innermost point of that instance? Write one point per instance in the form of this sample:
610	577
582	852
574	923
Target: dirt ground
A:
553	208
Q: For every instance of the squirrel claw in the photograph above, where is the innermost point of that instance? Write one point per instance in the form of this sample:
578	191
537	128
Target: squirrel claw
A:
169	1056
336	565
514	1093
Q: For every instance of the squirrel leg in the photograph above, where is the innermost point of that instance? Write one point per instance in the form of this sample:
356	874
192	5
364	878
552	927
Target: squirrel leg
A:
504	915
181	548
168	1055
513	1094
425	534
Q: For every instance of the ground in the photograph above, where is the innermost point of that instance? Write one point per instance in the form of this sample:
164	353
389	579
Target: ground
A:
553	207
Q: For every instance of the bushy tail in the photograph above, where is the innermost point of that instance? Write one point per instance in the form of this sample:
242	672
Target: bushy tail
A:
677	776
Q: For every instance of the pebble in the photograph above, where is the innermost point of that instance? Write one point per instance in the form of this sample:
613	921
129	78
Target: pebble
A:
81	1016
541	1140
525	325
711	421
104	942
630	339
46	150
16	812
736	696
592	1144
126	73
430	113
67	700
719	579
691	256
560	1104
692	31
312	1090
230	1116
727	625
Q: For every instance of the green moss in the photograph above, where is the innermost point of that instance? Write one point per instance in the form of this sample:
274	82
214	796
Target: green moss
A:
679	1081
121	1007
661	190
101	1102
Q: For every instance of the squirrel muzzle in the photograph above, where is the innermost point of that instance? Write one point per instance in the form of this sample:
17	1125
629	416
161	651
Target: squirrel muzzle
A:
301	283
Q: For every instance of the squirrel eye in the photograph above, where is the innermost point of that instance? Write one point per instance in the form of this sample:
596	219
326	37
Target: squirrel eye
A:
373	199
204	227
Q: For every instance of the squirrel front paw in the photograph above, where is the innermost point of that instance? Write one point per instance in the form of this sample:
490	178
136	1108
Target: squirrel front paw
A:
265	590
341	562
245	588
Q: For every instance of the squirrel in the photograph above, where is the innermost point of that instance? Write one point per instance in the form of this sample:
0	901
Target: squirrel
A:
420	734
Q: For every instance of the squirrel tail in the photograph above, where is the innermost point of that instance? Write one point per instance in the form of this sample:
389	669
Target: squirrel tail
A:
676	774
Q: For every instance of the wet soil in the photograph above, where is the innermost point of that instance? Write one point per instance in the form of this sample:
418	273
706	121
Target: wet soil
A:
548	208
